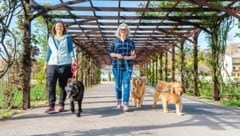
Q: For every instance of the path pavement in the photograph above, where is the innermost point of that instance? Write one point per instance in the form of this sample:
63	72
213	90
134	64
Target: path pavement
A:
100	118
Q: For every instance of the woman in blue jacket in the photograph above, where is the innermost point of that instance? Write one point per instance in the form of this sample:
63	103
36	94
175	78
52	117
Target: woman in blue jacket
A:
59	57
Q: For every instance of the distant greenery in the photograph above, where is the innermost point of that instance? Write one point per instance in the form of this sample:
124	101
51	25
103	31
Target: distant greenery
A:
38	97
230	92
231	103
238	34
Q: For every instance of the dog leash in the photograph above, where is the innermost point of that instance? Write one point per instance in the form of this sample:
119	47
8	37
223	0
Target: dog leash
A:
127	68
74	68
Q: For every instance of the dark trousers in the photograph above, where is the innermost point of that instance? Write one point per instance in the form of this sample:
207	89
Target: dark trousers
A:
61	74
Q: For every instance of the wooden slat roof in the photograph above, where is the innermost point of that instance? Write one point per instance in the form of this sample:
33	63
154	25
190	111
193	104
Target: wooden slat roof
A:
93	22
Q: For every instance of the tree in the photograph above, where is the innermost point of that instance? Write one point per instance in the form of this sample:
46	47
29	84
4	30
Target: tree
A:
8	41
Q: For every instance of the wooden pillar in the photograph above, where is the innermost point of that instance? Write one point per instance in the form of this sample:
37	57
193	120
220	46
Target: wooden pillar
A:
195	63
166	66
155	72
161	66
152	67
216	85
173	63
26	58
182	64
157	67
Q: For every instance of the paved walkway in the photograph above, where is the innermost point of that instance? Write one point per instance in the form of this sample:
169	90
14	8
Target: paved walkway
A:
100	118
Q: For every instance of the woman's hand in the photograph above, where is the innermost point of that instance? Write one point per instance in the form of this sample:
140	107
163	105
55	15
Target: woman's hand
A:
45	67
116	55
127	57
74	60
133	53
131	57
119	56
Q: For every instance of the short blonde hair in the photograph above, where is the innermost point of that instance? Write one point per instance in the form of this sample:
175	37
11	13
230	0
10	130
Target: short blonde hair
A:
121	26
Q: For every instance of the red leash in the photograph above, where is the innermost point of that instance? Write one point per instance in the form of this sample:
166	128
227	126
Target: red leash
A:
74	68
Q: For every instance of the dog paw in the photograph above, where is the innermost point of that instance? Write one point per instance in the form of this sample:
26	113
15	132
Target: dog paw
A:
165	111
179	113
72	110
138	106
154	106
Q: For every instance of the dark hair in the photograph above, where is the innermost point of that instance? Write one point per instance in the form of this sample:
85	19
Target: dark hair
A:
64	28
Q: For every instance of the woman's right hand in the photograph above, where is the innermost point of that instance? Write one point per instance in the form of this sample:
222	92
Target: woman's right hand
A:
116	55
119	56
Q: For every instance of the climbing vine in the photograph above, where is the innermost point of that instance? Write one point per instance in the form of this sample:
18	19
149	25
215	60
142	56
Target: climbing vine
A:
217	40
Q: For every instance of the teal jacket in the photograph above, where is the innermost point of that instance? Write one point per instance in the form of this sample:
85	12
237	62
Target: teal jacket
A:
60	52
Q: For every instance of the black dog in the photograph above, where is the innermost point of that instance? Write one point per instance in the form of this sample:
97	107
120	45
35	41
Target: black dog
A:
75	91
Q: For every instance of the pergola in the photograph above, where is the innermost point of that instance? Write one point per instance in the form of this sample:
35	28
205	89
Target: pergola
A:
156	25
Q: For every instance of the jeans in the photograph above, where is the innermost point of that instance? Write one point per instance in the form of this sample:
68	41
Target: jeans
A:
62	74
122	84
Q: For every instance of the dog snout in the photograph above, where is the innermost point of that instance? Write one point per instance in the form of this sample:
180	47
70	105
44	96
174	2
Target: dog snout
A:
138	81
68	96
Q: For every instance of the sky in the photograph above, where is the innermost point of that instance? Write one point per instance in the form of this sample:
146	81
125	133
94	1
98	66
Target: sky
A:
231	37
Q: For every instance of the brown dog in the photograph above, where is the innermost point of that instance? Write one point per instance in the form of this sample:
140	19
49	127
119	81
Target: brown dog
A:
169	92
138	90
161	86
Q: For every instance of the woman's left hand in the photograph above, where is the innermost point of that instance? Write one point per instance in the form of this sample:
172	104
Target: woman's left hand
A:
131	56
132	52
126	57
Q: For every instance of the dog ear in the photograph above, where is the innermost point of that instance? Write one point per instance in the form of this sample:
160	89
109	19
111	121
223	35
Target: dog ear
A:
69	80
172	90
180	88
161	85
183	87
144	79
134	80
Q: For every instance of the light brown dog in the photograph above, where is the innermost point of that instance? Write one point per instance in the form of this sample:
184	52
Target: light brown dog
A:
169	92
138	90
161	86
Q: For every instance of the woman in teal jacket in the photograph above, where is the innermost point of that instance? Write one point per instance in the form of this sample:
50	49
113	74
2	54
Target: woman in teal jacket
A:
59	57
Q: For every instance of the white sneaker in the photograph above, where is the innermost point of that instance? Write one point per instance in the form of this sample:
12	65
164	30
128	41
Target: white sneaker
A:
119	106
125	108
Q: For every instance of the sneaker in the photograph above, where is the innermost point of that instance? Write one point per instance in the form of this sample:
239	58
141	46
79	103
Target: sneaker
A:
61	109
49	109
125	108
119	106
